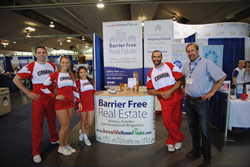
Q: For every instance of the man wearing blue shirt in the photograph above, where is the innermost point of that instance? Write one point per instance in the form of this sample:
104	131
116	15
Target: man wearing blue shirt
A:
202	79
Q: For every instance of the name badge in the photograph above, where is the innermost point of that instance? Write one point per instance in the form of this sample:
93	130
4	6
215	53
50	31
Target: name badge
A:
189	81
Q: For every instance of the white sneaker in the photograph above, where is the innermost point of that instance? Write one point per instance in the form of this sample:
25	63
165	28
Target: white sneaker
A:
171	148
56	142
70	148
87	142
37	159
177	146
63	150
81	135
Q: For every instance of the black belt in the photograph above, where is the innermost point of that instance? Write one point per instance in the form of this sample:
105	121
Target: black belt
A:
193	98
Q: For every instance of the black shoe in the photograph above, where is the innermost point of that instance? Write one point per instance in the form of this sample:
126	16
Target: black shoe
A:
206	163
193	153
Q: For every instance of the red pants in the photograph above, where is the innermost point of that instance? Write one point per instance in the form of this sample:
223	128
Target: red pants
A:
40	108
171	116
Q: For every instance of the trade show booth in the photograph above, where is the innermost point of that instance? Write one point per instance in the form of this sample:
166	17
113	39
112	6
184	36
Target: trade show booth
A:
124	118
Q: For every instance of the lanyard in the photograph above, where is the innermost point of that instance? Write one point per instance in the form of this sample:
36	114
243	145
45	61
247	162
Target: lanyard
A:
192	69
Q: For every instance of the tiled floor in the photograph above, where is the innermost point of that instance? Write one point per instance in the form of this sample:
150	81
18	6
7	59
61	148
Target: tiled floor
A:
225	153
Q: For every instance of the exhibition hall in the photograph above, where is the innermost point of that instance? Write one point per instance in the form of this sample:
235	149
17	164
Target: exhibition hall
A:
124	83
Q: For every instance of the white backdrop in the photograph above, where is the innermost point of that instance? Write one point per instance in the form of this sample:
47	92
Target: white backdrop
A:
247	49
214	30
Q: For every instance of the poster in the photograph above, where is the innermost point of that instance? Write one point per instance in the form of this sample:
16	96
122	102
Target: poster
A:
157	36
125	120
5	101
122	43
214	53
226	86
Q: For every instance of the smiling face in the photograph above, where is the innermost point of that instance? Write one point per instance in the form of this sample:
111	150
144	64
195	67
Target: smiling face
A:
192	52
83	73
41	55
248	65
64	64
157	58
241	64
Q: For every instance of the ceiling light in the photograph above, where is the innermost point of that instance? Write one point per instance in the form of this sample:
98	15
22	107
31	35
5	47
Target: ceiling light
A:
83	38
100	5
28	33
14	41
30	29
174	18
68	40
61	43
5	44
52	25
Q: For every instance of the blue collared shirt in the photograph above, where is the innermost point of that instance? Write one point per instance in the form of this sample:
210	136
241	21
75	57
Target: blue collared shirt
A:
204	76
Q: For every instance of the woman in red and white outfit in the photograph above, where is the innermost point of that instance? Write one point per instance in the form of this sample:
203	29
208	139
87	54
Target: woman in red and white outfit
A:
85	86
64	81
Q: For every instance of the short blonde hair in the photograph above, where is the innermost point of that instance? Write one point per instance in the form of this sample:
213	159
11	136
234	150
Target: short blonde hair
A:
241	61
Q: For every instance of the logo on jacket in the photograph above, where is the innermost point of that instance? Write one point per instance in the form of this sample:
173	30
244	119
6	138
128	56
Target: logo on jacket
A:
163	75
65	78
87	83
44	72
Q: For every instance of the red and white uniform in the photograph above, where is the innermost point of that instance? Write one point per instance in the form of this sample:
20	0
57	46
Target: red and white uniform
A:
165	79
162	79
43	106
86	90
65	87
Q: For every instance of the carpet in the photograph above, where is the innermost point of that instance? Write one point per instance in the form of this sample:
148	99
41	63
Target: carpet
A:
15	137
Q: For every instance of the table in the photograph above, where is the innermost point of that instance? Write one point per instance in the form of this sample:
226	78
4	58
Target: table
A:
125	119
7	82
141	89
5	105
239	113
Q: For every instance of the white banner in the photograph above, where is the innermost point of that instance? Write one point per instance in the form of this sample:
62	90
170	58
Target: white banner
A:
247	49
125	120
157	36
214	53
179	54
214	30
1	66
122	43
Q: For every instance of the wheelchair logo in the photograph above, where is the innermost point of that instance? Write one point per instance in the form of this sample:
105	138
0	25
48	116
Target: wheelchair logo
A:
178	64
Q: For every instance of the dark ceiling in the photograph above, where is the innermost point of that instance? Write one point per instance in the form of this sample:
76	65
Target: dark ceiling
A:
75	18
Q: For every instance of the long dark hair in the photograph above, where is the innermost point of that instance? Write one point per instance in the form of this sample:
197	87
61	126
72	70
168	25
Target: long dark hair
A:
88	78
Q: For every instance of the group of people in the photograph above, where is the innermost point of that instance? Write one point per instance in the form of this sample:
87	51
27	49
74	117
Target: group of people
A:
4	72
54	94
200	79
240	74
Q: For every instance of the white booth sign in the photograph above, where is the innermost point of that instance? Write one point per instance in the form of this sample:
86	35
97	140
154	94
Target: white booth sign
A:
125	120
